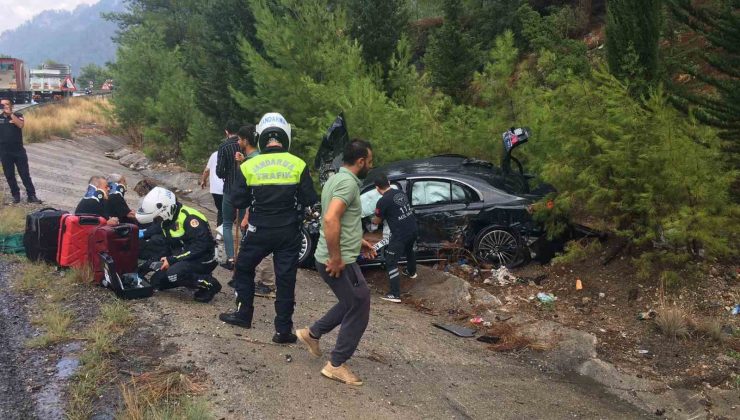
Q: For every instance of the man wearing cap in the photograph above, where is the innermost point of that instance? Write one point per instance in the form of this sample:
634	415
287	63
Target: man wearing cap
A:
274	185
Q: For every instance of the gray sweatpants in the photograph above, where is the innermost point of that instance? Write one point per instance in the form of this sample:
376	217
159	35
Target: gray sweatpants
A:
352	311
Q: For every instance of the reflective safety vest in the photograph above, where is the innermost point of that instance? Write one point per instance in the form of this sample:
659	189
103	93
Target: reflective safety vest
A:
273	169
178	230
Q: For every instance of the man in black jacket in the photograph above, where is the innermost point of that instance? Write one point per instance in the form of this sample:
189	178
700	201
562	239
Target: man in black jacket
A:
12	152
95	200
274	185
189	260
229	158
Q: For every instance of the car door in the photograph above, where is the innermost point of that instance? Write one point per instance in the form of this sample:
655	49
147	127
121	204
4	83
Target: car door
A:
442	208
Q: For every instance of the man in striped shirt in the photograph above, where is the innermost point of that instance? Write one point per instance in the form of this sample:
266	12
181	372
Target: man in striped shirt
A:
229	158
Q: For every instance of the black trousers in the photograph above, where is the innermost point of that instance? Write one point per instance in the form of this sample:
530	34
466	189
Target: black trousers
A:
19	159
182	274
218	200
352	311
395	249
284	244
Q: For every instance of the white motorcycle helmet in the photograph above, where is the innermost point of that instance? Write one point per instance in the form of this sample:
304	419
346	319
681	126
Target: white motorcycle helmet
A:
273	126
160	202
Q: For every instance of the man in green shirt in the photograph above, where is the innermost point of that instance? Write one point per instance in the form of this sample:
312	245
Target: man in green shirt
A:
340	243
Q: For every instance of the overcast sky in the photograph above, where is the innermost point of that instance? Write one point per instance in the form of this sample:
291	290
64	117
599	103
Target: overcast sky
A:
15	12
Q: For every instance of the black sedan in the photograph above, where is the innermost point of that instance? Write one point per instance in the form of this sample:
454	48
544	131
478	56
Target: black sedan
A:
464	207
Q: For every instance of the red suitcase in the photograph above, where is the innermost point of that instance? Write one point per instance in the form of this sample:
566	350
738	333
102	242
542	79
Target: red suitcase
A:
74	235
120	242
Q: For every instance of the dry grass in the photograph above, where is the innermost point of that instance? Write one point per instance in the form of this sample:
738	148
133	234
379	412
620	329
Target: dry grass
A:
35	277
673	322
512	339
710	328
163	394
12	219
96	369
81	275
61	119
56	322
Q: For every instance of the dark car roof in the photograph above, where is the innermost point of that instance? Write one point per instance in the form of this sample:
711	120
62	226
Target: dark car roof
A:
483	176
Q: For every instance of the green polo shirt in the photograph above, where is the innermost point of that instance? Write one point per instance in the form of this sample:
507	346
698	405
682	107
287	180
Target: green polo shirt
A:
343	185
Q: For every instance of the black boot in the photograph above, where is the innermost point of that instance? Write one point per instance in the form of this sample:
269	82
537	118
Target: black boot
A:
34	200
241	318
284	338
16	199
207	289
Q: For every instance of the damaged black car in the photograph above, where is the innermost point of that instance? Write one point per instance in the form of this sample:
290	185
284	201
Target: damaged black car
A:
464	207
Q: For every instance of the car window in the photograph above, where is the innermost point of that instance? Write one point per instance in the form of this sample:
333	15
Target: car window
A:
424	193
369	199
463	194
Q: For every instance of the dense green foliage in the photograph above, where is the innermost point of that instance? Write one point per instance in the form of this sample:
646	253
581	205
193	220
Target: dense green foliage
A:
629	163
452	56
716	99
632	36
377	25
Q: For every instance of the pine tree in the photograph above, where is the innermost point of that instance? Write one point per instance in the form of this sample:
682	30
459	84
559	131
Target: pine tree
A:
377	25
632	36
452	57
715	98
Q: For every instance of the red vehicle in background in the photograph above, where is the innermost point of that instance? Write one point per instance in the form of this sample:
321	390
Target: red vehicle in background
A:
15	81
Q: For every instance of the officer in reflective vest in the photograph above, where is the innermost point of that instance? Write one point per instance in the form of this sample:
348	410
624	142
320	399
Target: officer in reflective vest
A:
274	185
190	260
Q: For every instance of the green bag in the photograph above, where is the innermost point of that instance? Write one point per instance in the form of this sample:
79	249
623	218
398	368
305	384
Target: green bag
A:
12	244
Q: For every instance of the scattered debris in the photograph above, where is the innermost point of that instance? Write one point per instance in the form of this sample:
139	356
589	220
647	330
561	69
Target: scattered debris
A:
579	284
643	316
546	297
490	339
503	318
501	276
602	295
477	320
736	309
456	329
288	358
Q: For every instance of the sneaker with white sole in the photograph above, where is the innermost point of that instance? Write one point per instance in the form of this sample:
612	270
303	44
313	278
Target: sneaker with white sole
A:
391	298
341	374
312	343
407	274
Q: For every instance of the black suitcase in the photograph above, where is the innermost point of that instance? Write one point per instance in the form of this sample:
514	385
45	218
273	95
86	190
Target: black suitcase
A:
42	234
126	286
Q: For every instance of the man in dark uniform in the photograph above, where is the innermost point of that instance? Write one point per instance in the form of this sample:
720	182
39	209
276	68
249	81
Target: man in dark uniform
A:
273	185
12	152
116	205
95	199
190	260
394	208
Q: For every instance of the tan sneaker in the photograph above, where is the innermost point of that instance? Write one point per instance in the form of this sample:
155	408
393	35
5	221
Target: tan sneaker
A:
341	374
310	342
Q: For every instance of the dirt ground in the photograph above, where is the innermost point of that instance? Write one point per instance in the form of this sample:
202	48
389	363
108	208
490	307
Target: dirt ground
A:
410	368
608	307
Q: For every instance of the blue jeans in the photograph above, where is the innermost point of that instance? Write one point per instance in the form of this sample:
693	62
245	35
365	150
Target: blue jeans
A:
229	214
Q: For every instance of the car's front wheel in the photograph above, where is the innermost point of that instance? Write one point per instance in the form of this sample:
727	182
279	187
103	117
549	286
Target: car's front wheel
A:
500	247
308	247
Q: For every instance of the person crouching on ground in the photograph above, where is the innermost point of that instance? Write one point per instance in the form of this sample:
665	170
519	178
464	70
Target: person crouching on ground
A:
191	258
394	208
95	199
340	243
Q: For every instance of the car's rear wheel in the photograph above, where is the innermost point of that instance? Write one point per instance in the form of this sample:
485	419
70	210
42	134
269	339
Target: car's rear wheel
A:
308	247
500	247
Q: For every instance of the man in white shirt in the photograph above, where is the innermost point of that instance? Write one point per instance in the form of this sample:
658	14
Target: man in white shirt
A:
216	185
